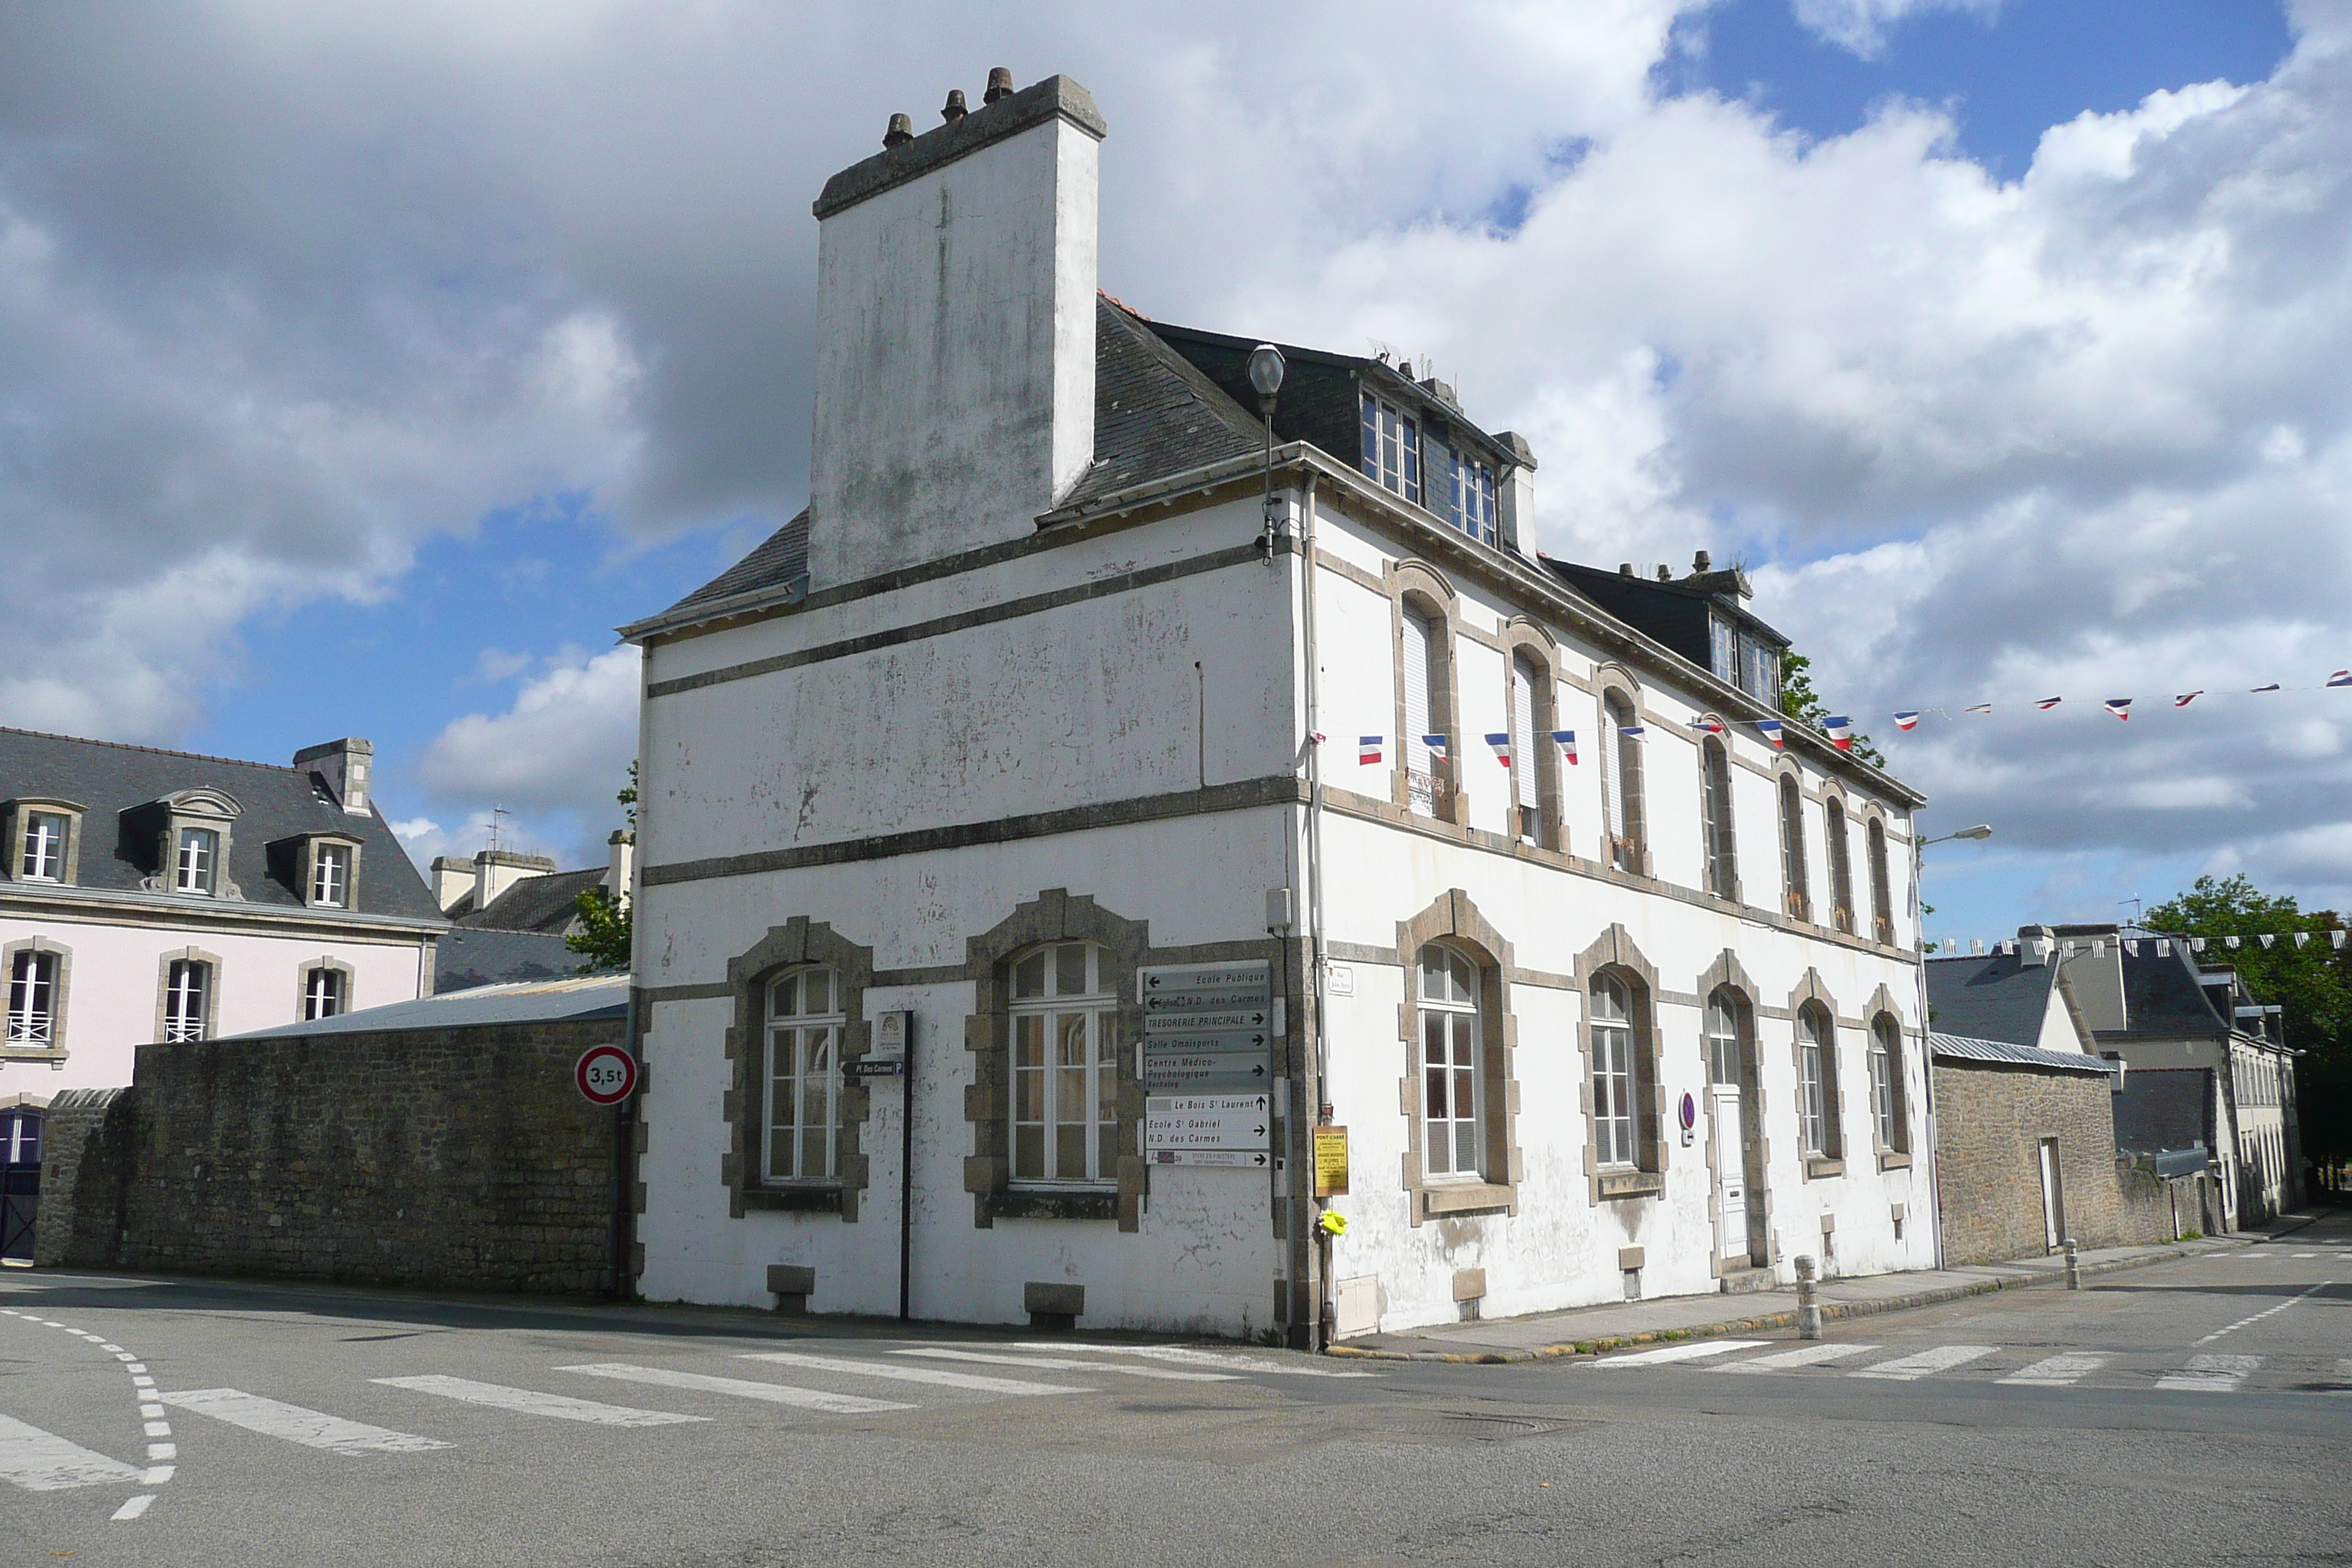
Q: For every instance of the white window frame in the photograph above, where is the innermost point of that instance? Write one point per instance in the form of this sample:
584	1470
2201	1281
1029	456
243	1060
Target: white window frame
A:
1424	709
1527	761
1390	457
1816	1082
1616	1131
1717	823
195	860
1839	852
1065	1043
44	859
1621	787
1470	496
325	983
1796	891
1724	1049
33	977
1452	1037
331	876
187	1000
1886	1083
801	1063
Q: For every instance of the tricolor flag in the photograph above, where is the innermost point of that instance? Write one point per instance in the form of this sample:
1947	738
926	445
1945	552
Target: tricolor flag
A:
2118	706
2341	678
1907	722
1436	744
1985	707
1567	740
1841	731
1501	741
1367	749
2047	703
1770	729
2273	686
2186	698
1710	723
1634	730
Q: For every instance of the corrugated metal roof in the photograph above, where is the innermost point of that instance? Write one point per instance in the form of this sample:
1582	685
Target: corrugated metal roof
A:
538	1002
1964	1048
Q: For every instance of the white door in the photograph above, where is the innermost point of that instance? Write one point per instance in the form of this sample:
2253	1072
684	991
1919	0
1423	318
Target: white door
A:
1730	1176
2054	1205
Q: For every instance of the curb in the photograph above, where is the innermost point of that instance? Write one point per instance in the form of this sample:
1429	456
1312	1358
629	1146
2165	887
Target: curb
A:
1831	1311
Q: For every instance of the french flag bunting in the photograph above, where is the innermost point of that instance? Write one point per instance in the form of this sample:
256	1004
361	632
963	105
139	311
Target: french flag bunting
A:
1770	729
1367	749
1841	731
1708	722
1566	740
2118	706
1984	708
2186	698
2273	686
1636	731
1502	744
1436	744
2341	678
1907	722
2047	703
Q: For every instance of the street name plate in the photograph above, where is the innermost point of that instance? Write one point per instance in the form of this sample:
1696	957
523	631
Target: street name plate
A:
1207	1121
1186	979
1255	1041
1161	1003
1255	1159
1205	1073
1231	1021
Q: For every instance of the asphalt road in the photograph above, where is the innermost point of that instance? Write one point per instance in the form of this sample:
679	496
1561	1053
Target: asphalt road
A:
2193	1412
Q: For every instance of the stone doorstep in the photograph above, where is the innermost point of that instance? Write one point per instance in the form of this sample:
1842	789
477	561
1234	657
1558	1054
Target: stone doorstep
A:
1832	1309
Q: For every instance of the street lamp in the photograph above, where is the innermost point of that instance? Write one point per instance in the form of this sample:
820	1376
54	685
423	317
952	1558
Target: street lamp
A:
1265	378
1979	833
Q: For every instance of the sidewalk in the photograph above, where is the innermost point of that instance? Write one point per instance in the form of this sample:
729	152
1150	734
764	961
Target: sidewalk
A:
1593	1330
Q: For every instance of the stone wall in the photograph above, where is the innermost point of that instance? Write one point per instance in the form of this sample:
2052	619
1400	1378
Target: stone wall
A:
1989	1122
457	1158
85	1147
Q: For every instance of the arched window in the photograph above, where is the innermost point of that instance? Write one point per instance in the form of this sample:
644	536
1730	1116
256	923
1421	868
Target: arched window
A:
1817	1081
1797	902
1614	1128
1530	764
1841	865
1886	1084
1452	1036
803	1078
187	998
1715	802
1723	1051
1425	714
1882	894
1621	787
1064	1066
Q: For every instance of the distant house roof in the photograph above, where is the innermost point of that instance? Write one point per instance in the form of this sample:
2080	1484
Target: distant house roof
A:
547	904
2166	996
577	999
1960	1047
1995	996
467	957
276	804
2163	1109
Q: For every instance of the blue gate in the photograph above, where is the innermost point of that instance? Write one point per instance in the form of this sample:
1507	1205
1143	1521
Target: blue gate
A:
20	1181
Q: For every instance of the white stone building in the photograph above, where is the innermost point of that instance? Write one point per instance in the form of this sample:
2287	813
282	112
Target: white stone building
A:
148	895
1027	699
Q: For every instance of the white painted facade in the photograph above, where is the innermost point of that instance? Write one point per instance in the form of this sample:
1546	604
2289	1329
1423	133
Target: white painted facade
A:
914	777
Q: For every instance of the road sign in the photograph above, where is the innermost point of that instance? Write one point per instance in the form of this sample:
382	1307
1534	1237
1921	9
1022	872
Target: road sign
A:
1330	1162
1207	1120
606	1075
1162	1004
1256	1040
1254	1159
1230	1021
874	1067
1185	979
1199	1072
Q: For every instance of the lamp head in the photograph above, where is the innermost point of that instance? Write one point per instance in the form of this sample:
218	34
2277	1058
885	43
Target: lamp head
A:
1265	369
1981	831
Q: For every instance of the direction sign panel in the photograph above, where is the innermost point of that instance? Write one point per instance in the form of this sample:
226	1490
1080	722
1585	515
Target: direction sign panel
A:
1207	1121
1231	1021
1201	1072
1252	1040
1184	979
1257	1159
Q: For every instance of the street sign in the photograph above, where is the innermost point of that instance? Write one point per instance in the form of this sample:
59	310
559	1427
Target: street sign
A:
874	1067
606	1075
1256	1159
1207	1121
1197	1072
1160	1003
1230	1021
1330	1162
1186	979
1254	1040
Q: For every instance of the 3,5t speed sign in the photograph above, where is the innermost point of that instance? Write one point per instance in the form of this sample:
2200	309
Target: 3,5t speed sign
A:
606	1075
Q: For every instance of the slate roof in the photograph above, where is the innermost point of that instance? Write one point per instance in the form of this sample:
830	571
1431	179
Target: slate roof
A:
466	958
594	996
2163	996
277	804
1960	1047
2165	1108
547	904
1995	996
780	561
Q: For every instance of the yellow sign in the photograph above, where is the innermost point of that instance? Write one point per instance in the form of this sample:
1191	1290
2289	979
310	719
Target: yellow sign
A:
1330	1162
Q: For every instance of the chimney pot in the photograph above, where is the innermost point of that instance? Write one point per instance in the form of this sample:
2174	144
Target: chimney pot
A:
1665	574
901	131
1000	84
1625	568
1702	563
955	110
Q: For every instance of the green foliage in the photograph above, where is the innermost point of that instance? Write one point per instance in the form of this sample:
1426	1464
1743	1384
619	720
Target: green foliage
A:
2311	983
1800	702
604	936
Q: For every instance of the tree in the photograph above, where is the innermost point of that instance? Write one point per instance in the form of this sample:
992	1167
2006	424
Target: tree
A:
1800	702
605	917
2311	985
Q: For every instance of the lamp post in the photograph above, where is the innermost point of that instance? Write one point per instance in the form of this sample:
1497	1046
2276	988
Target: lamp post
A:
1265	379
1978	835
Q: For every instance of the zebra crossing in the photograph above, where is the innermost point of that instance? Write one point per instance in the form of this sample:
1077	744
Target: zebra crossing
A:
2198	1374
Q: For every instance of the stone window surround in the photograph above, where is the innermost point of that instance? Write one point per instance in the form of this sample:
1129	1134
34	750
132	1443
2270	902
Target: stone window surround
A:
1810	991
1876	829
1836	806
1727	973
302	984
1454	919
212	963
1882	1006
55	1051
1796	871
307	865
799	943
1608	679
1613	951
214	810
1522	638
1707	746
1418	585
19	812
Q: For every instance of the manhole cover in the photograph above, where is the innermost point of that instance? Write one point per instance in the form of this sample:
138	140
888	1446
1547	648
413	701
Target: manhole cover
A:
1478	1428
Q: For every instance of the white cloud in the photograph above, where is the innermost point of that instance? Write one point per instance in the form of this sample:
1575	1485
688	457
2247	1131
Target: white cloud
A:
1859	26
563	746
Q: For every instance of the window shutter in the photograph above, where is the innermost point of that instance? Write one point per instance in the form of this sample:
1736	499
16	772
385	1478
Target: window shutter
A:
1523	728
1416	692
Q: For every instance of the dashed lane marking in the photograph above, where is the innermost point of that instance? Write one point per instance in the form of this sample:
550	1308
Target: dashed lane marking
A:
930	1374
151	1414
1782	1361
532	1402
2062	1370
133	1508
2267	1311
2210	1374
1186	1355
312	1428
1055	1363
1693	1351
41	1461
1926	1363
741	1388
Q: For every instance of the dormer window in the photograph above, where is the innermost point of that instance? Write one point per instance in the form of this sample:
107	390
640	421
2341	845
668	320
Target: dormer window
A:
192	829
45	847
37	839
331	876
1742	658
1392	448
1470	495
195	865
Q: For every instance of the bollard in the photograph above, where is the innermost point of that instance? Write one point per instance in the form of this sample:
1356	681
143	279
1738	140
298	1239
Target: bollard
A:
2074	1267
1809	1306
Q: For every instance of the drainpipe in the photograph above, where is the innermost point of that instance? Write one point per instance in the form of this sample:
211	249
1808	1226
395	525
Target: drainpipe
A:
1319	1086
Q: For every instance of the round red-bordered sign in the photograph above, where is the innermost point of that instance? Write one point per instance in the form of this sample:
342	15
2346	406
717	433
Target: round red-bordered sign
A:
606	1075
1689	1111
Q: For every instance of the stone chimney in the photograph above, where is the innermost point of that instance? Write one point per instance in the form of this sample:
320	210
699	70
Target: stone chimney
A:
620	865
348	765
452	879
955	334
1515	500
496	870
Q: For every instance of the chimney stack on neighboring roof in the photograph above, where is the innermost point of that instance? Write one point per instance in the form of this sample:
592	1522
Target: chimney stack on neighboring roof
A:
901	131
621	858
346	765
955	110
1702	563
1000	85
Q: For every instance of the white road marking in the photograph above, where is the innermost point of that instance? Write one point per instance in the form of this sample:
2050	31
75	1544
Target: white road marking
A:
2210	1374
1926	1363
1692	1352
133	1508
1053	1364
162	1451
42	1461
743	1388
930	1374
156	1475
2265	1312
312	1428
151	1412
531	1402
2062	1370
2342	1376
1781	1360
2302	1255
1187	1355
